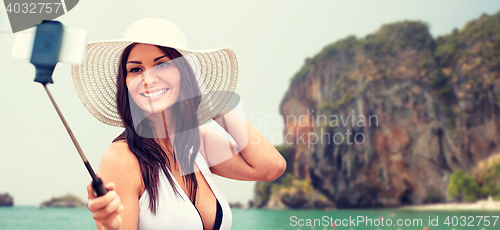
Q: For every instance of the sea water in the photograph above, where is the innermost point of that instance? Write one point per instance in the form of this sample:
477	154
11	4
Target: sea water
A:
31	217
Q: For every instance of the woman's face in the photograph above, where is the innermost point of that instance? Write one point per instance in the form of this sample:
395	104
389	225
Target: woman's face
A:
153	80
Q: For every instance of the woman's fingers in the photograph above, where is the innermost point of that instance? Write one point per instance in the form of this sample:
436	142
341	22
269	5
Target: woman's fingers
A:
102	201
106	209
113	218
111	186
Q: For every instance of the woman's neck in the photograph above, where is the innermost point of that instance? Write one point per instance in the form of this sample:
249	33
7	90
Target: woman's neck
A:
165	131
163	123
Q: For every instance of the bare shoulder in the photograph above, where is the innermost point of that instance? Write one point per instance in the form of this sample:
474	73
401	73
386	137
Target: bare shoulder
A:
119	165
118	155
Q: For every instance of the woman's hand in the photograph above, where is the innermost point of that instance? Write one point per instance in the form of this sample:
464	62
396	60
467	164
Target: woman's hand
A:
106	209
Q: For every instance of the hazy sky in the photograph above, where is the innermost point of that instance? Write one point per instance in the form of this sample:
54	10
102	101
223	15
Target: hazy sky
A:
271	39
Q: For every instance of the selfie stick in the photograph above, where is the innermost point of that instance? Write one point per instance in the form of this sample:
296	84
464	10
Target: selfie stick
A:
44	57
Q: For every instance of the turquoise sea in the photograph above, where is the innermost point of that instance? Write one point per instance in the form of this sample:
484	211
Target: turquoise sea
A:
31	217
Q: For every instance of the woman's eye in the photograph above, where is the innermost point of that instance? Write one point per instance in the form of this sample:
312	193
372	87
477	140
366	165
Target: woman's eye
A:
133	70
163	64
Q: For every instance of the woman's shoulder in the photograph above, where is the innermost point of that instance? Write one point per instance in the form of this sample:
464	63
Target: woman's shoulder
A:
118	152
119	164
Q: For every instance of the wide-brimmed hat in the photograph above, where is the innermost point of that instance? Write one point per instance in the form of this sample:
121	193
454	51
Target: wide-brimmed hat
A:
216	70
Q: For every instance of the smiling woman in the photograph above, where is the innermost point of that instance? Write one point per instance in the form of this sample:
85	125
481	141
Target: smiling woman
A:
159	170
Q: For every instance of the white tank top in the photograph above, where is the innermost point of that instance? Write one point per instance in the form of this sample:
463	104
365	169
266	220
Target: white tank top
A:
177	212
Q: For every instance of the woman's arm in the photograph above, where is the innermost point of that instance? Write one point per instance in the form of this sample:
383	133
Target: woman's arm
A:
258	159
119	166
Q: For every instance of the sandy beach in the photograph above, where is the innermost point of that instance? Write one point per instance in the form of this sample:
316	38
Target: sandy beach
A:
478	205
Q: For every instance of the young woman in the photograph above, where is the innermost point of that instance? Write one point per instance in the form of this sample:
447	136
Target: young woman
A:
159	170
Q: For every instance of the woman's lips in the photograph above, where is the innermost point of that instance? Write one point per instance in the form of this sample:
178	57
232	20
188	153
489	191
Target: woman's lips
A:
155	94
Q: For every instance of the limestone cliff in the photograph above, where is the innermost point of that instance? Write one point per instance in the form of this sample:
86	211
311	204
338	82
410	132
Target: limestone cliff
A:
384	120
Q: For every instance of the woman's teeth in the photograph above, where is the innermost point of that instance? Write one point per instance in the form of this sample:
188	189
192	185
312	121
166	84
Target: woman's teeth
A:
155	94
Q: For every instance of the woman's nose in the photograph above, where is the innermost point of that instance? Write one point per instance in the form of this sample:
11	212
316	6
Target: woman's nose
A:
150	76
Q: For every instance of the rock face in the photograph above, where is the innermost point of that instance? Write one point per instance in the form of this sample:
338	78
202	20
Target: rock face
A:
289	192
384	120
6	200
67	201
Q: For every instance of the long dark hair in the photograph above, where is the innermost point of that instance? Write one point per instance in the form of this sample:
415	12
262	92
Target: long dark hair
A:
141	138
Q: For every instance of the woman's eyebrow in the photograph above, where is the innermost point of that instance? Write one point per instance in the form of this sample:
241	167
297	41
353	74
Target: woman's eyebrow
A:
156	59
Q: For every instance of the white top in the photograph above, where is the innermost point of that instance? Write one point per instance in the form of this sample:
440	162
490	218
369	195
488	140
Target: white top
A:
177	212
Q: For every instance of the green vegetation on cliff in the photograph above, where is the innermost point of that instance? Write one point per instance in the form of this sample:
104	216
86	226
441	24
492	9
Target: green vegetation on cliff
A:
473	53
463	186
450	47
394	38
482	184
291	192
346	46
387	41
489	181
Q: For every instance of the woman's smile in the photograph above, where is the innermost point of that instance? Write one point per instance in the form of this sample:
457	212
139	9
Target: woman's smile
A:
154	93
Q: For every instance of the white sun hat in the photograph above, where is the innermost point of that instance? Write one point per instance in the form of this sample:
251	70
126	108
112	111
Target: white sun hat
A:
216	70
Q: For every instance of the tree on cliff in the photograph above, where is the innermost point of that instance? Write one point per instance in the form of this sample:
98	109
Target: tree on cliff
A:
462	187
489	181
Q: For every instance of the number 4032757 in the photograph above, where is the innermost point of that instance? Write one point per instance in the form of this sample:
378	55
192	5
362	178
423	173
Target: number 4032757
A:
471	221
33	8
